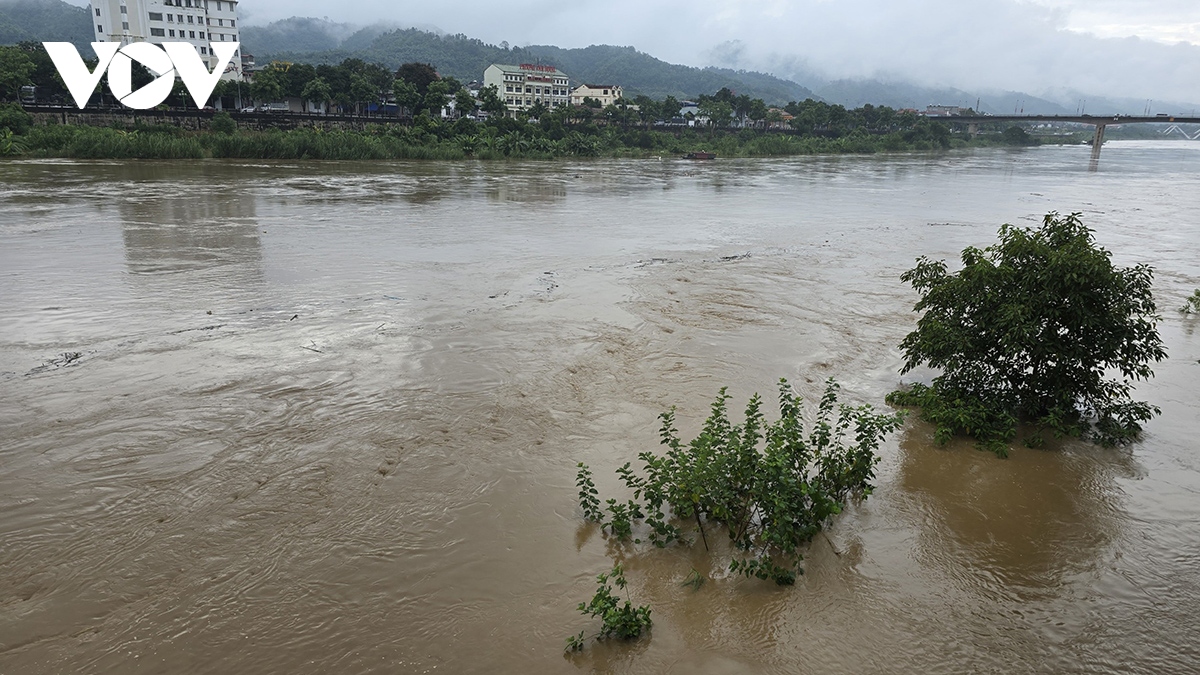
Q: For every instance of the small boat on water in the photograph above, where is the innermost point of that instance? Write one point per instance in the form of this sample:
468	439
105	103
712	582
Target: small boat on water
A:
700	155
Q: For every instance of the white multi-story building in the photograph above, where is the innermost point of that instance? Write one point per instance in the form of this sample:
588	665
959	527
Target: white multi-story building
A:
607	94
519	86
199	22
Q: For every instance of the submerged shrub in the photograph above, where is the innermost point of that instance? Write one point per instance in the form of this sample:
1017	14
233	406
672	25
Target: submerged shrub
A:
620	620
1192	304
770	486
1029	330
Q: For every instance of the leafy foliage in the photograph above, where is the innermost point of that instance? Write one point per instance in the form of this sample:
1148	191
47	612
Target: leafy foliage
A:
587	495
222	123
1192	304
14	118
770	499
1029	330
619	620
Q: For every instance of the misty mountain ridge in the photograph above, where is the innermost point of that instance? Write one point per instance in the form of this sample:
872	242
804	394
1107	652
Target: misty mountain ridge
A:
44	21
319	40
466	58
854	93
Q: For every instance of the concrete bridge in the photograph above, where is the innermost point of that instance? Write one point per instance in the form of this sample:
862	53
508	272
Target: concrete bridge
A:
1100	122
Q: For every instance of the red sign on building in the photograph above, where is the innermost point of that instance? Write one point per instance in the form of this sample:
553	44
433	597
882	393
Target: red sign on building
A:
540	69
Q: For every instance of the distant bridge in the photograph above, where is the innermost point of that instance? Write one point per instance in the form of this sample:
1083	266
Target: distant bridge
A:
1100	122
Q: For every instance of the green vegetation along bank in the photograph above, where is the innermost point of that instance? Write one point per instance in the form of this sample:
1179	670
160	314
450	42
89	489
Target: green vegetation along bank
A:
429	138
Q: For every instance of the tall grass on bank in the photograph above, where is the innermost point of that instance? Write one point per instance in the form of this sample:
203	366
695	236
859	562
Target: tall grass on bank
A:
436	140
105	143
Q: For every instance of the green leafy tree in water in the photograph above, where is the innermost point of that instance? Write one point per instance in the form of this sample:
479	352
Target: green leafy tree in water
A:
1192	304
1029	330
770	499
620	620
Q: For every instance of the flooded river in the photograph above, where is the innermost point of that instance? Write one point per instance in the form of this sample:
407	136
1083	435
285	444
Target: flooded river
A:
324	417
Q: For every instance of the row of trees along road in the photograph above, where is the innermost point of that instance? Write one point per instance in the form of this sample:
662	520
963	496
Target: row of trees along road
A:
354	85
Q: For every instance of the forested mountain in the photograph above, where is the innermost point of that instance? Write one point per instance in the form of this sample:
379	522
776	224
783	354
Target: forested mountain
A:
466	58
640	73
300	35
44	21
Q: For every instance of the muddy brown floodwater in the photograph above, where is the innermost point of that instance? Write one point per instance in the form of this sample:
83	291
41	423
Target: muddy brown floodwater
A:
324	417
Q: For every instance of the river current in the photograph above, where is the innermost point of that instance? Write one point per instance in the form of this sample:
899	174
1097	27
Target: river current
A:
324	417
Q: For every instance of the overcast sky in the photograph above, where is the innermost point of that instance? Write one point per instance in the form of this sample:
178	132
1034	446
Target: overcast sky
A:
1134	48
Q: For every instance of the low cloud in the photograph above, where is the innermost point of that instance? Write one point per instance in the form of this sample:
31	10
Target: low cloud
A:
1104	47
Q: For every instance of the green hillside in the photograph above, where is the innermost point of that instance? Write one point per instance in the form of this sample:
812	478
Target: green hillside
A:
640	73
466	58
44	21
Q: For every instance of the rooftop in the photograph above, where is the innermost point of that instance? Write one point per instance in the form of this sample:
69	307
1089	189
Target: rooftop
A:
531	69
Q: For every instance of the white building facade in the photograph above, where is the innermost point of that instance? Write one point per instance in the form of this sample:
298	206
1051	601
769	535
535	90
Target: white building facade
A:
607	94
199	22
519	86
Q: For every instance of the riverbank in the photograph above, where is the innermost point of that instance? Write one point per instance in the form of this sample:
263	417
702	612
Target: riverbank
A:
431	139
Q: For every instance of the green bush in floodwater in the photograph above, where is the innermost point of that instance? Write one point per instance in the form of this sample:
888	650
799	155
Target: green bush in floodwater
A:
1192	304
771	486
1027	330
620	620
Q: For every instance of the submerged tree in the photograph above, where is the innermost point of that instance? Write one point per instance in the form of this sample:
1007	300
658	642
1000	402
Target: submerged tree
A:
772	486
1040	328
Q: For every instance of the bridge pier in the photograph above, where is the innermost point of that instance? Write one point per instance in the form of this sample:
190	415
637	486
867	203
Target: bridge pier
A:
1098	141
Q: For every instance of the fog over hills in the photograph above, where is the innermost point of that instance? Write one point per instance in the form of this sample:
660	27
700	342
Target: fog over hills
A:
466	58
1102	56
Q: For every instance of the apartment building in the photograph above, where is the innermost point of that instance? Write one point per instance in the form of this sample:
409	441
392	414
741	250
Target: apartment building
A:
519	86
605	93
199	22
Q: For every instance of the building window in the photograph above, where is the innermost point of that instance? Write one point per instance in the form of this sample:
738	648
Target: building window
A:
124	9
156	16
192	34
97	11
222	37
528	90
157	32
172	32
190	20
204	51
99	28
171	18
231	24
124	25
